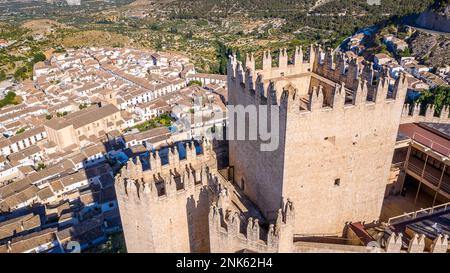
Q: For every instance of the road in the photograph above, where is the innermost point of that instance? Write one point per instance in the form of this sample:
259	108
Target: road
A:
430	31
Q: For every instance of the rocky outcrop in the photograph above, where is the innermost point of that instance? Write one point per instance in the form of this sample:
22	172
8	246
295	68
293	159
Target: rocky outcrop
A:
435	20
432	48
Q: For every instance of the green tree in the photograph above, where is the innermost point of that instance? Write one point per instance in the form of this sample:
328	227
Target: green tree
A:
21	73
21	130
61	114
189	35
38	57
195	82
10	98
40	166
405	53
2	75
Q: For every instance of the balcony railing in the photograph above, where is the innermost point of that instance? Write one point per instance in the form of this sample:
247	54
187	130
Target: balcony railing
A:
416	166
419	213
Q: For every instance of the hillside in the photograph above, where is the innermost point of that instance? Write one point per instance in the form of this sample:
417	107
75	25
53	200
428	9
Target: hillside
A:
436	18
201	29
431	48
42	26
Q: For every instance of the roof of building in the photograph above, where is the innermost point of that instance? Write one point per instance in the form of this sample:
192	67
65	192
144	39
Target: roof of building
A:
29	151
431	226
442	129
83	117
427	137
22	136
15	225
160	133
45	193
73	178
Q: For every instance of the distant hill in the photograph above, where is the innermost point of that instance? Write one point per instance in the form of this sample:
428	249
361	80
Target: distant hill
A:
436	18
43	26
339	16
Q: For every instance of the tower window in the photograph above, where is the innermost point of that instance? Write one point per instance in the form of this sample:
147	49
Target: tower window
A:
337	182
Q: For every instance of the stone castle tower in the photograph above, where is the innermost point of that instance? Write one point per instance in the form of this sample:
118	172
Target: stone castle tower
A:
338	123
185	205
165	209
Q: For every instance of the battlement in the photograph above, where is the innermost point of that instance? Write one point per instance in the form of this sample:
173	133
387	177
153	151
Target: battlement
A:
418	243
338	68
412	113
334	112
230	232
330	83
285	66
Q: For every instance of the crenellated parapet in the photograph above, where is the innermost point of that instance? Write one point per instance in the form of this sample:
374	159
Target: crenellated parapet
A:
332	83
394	243
418	243
414	113
412	243
155	185
162	181
285	67
165	208
230	232
338	68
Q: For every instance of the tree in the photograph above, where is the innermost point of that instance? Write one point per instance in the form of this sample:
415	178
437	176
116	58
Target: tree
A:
173	30
38	57
405	53
438	96
195	82
189	35
40	166
10	98
2	75
61	114
21	130
21	73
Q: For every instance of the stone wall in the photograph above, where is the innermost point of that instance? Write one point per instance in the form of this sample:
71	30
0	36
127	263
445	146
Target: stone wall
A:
337	136
229	234
411	113
165	209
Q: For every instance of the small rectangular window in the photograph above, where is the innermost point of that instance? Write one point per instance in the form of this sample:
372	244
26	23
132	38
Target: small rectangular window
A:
337	182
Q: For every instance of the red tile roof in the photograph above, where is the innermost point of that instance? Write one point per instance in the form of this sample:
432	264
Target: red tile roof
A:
425	137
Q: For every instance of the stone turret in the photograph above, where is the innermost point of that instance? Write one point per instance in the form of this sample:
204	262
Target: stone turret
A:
173	197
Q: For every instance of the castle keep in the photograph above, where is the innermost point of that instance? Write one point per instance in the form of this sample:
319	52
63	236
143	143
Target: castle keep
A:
185	205
338	123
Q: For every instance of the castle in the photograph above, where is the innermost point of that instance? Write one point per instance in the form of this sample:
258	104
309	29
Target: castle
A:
338	124
187	206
